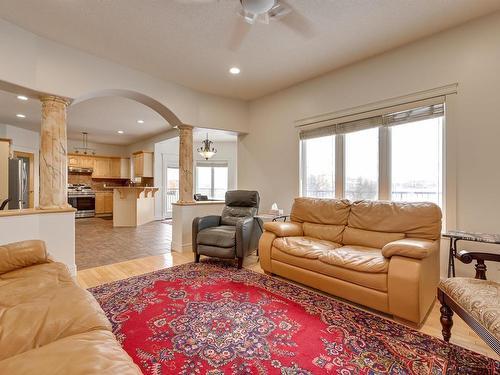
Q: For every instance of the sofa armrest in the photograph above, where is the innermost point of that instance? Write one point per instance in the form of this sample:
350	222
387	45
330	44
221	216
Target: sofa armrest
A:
284	229
200	223
22	254
415	248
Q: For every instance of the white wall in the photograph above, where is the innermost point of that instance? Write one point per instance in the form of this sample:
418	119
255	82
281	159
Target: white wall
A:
168	152
101	149
268	157
40	64
25	141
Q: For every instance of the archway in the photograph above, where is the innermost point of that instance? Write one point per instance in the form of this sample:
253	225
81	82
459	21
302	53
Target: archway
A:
154	104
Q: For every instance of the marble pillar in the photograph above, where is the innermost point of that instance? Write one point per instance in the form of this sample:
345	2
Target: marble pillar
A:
53	154
185	164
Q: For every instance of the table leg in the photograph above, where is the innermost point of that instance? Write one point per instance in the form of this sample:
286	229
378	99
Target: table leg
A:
451	257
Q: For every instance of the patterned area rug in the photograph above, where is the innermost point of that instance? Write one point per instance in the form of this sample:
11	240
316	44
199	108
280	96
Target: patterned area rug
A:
211	318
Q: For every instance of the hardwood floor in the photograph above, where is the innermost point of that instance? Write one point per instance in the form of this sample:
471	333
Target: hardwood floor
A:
461	334
98	243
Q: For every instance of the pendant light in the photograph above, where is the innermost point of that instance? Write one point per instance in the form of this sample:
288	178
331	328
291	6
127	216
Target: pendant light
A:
206	150
85	150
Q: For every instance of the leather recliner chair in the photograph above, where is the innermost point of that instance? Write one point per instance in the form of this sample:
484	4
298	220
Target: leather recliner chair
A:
232	234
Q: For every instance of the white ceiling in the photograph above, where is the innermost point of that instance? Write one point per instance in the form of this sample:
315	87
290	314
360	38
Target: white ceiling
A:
101	118
188	42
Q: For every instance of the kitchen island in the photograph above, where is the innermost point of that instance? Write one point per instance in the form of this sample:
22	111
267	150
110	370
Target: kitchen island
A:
133	206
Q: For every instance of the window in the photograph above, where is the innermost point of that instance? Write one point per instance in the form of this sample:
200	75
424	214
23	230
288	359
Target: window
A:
361	165
416	161
395	155
319	167
212	179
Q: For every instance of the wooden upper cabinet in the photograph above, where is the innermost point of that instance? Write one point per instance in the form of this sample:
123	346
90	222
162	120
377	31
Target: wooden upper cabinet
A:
143	164
103	167
74	160
115	168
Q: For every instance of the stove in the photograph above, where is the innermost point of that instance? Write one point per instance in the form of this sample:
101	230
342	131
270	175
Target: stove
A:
82	197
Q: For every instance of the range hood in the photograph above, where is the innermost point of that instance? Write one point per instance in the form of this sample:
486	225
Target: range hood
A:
80	170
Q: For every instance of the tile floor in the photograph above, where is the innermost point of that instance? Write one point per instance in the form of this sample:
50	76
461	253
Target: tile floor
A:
99	244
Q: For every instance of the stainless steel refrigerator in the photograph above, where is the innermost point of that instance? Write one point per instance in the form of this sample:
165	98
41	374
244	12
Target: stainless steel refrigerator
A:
18	183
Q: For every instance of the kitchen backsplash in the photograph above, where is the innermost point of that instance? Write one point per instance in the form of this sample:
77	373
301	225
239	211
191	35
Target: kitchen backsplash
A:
98	184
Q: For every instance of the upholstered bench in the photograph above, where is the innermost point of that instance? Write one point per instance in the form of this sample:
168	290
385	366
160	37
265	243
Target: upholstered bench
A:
477	302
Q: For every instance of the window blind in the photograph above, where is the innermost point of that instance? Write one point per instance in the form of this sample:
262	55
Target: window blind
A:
418	113
415	114
213	164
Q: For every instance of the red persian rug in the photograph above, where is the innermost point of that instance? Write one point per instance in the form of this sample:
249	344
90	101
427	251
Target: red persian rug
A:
210	318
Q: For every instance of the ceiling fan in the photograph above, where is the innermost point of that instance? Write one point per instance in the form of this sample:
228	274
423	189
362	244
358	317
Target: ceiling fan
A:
263	11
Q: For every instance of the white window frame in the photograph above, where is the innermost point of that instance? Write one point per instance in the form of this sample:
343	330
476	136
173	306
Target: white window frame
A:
384	164
218	163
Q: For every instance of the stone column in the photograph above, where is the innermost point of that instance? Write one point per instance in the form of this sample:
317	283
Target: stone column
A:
53	154
185	164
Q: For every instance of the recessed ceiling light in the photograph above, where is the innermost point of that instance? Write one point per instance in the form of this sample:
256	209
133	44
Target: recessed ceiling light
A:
20	115
120	131
22	97
140	121
234	70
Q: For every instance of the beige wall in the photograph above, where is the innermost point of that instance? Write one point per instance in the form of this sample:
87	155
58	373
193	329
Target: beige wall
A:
40	64
268	157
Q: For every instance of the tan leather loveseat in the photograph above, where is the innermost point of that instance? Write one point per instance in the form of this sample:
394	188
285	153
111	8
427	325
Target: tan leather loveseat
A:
384	255
48	324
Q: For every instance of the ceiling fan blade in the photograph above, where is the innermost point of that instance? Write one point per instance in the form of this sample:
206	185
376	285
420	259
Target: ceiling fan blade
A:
297	22
239	33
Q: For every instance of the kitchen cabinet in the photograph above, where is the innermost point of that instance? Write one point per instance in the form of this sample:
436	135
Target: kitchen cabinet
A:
102	167
103	203
125	168
81	161
143	164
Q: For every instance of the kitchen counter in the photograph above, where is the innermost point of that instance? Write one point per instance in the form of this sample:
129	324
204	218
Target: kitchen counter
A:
133	205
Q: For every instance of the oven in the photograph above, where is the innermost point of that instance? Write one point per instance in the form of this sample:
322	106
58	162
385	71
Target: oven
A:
83	202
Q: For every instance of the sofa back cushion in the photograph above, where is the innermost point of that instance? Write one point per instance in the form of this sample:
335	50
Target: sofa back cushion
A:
415	219
320	211
327	232
369	238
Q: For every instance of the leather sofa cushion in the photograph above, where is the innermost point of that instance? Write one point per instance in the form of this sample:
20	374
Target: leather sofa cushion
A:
320	211
94	352
377	281
217	252
231	215
324	232
222	236
304	247
357	258
369	238
415	219
41	304
22	254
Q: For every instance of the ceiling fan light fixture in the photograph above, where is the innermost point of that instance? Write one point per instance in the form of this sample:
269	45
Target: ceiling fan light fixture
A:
257	6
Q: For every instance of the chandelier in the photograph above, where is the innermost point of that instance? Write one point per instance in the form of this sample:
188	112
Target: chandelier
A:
206	150
85	150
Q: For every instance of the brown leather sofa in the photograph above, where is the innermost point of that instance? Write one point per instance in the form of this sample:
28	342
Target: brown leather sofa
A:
383	255
48	324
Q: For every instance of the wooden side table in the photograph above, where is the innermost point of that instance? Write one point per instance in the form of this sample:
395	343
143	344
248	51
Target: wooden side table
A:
467	257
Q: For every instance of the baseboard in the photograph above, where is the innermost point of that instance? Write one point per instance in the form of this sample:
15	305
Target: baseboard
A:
72	269
181	248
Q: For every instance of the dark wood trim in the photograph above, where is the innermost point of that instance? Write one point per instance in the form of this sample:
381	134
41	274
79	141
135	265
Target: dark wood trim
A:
240	263
477	327
196	258
468	256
